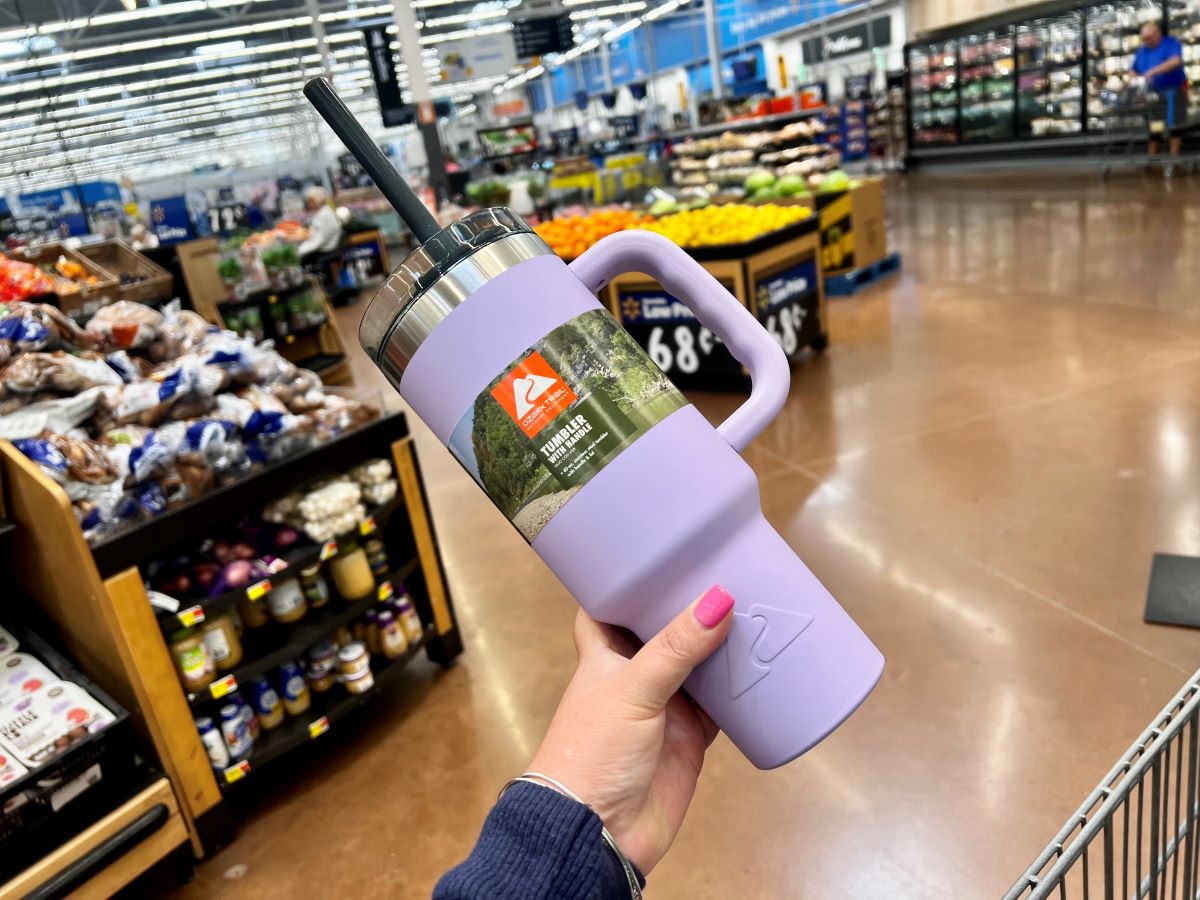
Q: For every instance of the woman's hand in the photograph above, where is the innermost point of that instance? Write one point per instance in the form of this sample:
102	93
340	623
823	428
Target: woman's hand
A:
624	738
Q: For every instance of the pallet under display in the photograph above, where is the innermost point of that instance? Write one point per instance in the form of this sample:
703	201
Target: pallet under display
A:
97	598
777	277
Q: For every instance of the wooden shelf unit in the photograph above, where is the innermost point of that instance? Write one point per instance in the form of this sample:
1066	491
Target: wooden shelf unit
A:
161	837
108	625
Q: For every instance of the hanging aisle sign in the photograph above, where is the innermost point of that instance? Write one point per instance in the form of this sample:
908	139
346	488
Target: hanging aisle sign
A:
383	74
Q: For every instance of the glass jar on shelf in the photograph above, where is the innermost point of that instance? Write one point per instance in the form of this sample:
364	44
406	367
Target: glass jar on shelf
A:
352	572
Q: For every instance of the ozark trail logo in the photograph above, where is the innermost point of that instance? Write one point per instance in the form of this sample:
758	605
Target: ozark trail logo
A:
528	389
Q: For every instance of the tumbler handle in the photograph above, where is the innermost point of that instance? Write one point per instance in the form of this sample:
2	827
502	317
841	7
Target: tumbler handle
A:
717	309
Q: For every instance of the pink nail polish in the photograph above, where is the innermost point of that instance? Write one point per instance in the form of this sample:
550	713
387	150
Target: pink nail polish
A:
713	606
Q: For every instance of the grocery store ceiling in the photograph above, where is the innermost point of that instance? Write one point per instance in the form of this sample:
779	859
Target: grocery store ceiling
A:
146	88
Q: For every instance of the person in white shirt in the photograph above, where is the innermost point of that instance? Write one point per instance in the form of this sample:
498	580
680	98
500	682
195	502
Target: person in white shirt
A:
324	229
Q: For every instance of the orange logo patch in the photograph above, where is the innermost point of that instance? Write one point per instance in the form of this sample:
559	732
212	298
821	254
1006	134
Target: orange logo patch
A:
533	394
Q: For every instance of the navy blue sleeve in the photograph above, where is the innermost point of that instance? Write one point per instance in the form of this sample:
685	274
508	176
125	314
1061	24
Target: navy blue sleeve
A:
1138	62
537	845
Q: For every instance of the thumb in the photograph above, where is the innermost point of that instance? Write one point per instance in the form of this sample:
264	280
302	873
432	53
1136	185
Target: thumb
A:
658	670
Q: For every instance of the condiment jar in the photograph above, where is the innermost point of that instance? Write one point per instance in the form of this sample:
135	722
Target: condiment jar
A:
312	582
286	601
409	620
210	737
235	731
252	723
353	660
351	572
221	638
322	658
377	557
267	704
254	613
360	683
294	689
192	660
370	635
392	642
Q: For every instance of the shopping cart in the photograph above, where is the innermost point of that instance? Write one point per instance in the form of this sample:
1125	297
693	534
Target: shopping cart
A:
1123	121
1137	833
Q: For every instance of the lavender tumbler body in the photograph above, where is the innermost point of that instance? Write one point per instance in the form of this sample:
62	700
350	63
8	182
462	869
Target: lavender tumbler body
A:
634	501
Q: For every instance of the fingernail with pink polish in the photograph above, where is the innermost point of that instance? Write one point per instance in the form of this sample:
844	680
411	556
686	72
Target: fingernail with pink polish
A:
713	606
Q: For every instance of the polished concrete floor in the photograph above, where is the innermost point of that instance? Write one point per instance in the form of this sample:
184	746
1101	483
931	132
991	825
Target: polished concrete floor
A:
979	468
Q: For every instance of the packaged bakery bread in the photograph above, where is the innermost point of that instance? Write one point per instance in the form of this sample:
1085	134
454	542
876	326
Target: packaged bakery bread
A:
125	324
21	674
45	723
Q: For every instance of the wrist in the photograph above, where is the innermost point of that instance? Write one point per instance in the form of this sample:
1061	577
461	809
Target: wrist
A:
631	873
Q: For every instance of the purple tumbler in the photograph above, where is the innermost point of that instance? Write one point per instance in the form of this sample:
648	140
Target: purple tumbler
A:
632	498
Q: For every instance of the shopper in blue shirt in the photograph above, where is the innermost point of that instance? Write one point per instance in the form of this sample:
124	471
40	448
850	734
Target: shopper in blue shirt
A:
1160	61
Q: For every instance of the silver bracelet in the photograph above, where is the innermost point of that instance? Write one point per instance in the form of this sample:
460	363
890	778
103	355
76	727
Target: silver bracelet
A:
537	778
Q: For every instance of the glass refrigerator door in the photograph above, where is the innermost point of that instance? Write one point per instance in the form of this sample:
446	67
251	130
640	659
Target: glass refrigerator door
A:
933	86
1113	38
986	88
1050	76
1184	19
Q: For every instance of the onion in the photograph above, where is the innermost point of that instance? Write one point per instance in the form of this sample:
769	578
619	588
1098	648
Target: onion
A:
206	574
286	538
238	573
242	550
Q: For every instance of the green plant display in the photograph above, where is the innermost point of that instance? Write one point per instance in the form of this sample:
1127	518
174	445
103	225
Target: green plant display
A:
230	270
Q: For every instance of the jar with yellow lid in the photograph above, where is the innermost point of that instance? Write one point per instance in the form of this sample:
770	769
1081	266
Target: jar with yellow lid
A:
351	572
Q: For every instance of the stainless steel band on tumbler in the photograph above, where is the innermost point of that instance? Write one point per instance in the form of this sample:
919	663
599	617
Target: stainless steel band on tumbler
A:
438	276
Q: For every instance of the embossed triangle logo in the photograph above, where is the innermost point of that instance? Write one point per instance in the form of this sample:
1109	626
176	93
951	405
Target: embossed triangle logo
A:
755	639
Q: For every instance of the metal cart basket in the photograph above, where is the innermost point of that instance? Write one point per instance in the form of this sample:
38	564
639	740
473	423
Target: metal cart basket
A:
1137	834
1124	123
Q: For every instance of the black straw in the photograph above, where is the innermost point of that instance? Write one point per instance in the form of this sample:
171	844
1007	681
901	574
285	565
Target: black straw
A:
357	141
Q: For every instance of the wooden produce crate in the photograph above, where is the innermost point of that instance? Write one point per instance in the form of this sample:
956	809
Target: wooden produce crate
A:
89	297
776	276
155	282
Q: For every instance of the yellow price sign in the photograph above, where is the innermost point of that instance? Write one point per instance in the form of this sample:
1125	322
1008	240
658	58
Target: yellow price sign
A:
328	549
367	525
257	590
193	615
385	591
318	727
223	686
237	772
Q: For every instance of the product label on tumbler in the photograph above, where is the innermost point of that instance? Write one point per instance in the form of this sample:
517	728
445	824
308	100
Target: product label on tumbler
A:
558	414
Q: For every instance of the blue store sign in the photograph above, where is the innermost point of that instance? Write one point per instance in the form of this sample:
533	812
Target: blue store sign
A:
170	220
787	305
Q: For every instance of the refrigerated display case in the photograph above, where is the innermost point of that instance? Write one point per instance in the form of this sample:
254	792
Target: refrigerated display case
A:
1046	80
933	93
986	86
1112	40
1050	76
1184	19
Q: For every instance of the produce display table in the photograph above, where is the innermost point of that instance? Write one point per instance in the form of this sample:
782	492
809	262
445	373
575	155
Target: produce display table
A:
776	276
97	599
315	344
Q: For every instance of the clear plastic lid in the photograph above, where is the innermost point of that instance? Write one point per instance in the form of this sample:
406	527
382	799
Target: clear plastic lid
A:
426	264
